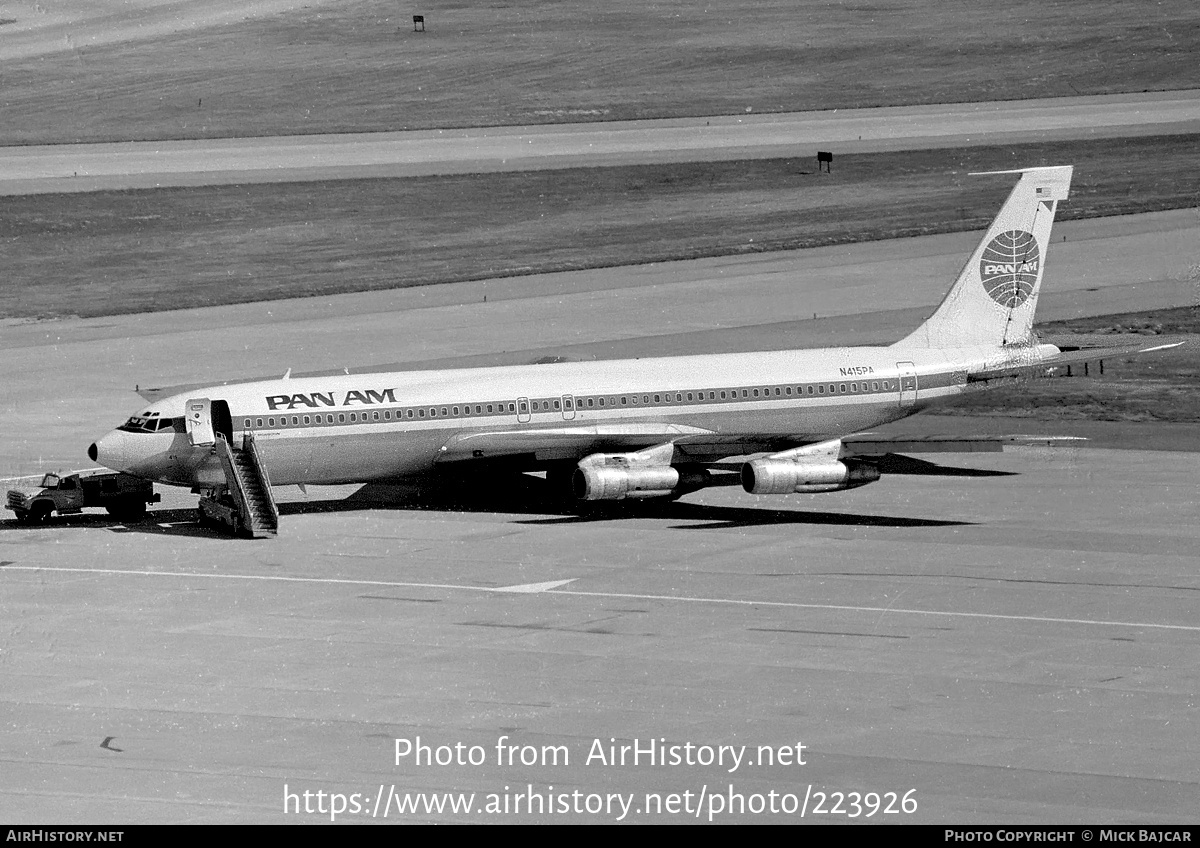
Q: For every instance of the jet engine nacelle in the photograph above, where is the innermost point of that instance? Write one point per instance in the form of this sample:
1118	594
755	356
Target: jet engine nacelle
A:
615	483
784	477
594	483
642	474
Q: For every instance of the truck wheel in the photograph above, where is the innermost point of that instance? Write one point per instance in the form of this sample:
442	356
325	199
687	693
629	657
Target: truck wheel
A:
130	509
40	513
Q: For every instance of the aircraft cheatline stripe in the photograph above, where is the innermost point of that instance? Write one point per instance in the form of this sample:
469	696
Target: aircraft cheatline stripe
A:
627	404
553	419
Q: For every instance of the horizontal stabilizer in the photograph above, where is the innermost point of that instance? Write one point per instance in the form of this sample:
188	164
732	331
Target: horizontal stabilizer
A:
1049	365
1050	182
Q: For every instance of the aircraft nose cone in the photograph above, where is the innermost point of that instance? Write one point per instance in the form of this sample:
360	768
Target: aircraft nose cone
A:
111	451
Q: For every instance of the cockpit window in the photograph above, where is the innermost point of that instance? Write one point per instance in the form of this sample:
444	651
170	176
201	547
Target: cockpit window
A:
148	424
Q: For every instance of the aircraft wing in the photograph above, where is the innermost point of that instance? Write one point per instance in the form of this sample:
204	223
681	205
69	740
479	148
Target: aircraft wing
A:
875	444
703	446
157	393
557	444
561	443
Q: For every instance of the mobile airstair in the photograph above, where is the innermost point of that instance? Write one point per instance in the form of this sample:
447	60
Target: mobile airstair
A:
248	506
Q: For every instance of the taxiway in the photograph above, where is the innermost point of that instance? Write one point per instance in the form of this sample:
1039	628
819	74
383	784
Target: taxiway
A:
91	167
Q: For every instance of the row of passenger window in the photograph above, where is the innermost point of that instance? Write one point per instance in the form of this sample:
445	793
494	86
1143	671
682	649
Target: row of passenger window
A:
570	403
728	395
384	415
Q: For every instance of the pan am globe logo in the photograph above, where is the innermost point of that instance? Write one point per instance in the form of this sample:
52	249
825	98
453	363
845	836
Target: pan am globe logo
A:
1009	267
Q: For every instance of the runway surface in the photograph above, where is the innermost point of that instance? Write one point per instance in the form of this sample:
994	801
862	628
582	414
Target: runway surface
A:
89	167
1011	640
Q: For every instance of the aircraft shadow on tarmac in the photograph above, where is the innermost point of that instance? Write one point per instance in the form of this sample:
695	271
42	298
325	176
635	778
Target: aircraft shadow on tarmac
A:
728	517
529	495
524	494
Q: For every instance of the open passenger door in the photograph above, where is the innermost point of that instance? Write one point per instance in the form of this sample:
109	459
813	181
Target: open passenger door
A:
199	422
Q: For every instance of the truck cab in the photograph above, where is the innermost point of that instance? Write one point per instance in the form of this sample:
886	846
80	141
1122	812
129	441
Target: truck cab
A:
124	497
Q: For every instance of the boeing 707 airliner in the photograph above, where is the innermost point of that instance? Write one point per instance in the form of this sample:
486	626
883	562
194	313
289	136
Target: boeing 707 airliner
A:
641	428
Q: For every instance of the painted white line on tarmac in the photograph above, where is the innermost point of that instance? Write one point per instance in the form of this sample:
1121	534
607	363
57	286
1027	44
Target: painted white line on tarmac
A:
889	610
535	588
459	587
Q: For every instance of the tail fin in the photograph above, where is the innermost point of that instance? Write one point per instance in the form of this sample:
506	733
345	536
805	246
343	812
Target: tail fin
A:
993	300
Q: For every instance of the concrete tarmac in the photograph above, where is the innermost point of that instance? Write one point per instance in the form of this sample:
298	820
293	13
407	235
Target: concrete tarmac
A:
90	167
1014	641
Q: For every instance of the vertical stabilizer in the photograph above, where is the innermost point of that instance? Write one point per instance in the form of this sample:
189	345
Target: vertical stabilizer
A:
993	301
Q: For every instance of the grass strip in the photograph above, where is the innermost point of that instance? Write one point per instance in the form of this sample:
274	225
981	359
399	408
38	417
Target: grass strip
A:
137	251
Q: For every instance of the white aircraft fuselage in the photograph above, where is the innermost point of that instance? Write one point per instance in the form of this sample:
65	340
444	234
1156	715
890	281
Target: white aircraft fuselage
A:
647	423
372	427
